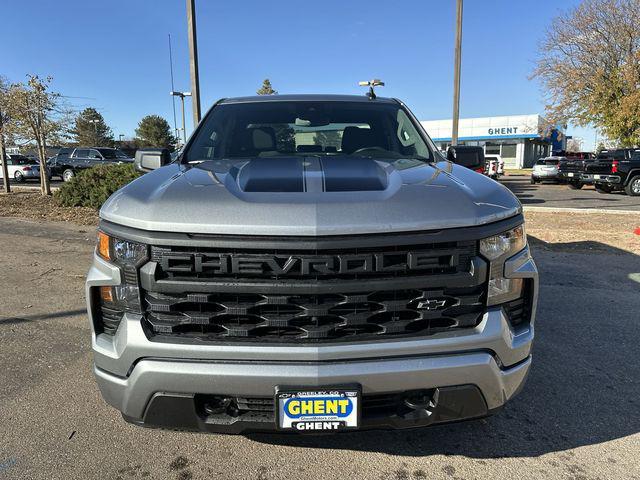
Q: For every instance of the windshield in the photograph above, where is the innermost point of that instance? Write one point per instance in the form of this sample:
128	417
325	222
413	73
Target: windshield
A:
286	128
111	153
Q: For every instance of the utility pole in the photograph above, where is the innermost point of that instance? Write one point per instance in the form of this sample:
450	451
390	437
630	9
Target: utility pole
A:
193	61
456	75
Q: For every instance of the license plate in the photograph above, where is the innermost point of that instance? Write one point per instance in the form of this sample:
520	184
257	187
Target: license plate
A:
318	410
596	177
569	174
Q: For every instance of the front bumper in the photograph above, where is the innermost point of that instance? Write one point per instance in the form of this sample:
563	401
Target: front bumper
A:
475	371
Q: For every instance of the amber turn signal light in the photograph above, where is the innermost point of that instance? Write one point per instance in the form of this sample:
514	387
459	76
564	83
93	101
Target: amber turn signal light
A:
103	245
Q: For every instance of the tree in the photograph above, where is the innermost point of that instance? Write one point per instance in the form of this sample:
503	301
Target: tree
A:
91	130
266	88
38	116
574	145
155	131
4	122
589	64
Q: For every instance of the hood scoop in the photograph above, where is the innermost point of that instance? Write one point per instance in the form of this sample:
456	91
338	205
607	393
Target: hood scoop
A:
311	174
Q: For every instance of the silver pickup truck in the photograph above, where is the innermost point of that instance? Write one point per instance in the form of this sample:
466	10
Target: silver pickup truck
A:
310	263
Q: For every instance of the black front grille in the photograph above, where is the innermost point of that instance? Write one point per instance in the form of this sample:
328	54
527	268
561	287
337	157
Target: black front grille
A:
312	294
313	317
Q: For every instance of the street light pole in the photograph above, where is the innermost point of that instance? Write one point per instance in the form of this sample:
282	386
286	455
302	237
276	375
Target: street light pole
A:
95	129
456	74
193	60
184	129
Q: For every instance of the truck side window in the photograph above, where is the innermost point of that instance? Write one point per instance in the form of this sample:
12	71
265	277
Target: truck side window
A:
409	137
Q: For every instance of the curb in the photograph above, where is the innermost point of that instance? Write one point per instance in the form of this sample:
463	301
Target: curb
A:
580	210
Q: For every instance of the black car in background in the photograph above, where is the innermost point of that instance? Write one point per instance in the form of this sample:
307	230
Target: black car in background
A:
618	172
70	161
604	171
571	169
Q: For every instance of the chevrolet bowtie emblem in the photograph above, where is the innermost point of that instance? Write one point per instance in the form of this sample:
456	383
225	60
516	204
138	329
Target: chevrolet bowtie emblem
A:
431	304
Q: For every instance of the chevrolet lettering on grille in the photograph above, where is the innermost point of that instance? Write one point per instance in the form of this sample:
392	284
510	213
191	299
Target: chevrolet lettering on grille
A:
302	265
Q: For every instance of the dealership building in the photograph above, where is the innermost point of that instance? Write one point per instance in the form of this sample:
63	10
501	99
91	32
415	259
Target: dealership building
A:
516	138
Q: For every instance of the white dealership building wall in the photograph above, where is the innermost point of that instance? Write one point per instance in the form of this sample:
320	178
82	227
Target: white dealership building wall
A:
516	138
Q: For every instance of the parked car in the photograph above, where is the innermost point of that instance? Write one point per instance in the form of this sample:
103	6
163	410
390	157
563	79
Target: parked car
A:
546	169
572	172
21	168
269	281
623	174
67	164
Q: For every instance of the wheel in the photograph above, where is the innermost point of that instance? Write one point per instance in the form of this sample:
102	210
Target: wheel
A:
18	177
575	185
533	181
603	188
67	175
633	187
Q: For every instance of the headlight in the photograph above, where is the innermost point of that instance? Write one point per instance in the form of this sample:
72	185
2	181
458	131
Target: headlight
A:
497	249
504	244
120	252
114	301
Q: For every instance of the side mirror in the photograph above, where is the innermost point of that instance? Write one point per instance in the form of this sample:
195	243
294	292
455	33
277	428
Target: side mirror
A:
467	156
150	159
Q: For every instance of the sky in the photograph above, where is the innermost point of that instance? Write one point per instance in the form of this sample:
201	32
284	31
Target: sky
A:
113	54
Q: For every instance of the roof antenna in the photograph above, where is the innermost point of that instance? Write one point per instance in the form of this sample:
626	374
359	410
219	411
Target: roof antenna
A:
372	83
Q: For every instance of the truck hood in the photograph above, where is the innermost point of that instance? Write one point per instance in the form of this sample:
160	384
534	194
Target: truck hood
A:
309	196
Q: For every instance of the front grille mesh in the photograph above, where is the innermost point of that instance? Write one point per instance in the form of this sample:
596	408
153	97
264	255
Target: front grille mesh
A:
313	317
200	293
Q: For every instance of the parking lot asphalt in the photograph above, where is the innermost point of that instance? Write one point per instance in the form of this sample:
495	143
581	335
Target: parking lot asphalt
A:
578	417
555	195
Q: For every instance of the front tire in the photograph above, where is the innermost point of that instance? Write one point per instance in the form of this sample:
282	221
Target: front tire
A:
68	175
18	177
575	185
533	181
633	187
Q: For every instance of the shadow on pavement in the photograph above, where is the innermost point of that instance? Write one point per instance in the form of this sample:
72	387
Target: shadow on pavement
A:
42	316
583	388
561	196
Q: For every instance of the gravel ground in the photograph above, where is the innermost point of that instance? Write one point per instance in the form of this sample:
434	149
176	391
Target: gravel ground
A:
577	418
25	203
